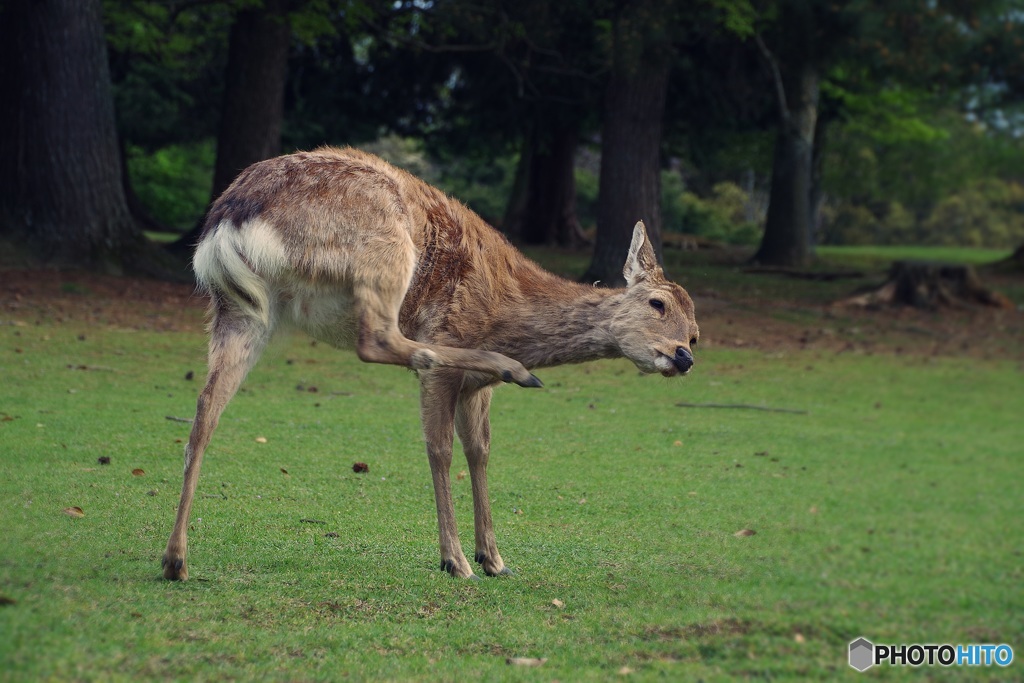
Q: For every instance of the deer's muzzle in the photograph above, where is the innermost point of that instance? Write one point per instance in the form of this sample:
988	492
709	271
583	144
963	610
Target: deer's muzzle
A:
683	360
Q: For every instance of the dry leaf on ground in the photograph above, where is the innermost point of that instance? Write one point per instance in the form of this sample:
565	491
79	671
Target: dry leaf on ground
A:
74	512
525	661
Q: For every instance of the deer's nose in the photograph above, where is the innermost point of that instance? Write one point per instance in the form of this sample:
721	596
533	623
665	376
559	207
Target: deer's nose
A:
683	359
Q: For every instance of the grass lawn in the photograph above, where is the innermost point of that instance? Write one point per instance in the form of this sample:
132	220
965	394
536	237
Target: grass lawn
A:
871	254
890	508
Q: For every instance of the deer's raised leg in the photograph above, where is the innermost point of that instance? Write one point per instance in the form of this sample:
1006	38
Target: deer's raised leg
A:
378	295
472	423
438	393
235	344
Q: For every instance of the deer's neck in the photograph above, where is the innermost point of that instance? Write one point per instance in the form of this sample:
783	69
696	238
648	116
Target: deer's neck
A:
557	322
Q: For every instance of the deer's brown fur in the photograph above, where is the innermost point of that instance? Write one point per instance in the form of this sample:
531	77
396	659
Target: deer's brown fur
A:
361	254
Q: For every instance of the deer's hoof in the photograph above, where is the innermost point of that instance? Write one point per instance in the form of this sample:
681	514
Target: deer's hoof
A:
452	568
505	571
533	382
489	567
526	380
175	568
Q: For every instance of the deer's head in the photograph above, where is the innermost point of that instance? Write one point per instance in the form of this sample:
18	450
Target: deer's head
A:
654	325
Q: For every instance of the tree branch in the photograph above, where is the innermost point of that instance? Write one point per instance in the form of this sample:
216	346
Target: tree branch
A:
780	87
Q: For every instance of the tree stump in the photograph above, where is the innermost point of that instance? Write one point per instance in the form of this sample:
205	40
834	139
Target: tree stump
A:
927	285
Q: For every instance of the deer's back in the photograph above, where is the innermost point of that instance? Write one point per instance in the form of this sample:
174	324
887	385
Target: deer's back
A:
313	223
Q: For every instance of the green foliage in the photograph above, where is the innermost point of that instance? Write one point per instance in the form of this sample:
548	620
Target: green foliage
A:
874	512
887	116
482	184
737	16
167	62
985	213
173	183
721	217
587	184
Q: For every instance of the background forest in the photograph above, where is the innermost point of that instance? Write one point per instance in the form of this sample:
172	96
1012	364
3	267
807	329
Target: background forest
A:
780	124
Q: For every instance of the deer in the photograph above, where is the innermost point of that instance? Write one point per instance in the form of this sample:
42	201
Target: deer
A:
362	255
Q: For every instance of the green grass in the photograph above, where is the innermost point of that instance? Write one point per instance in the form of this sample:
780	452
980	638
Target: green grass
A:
891	509
162	237
874	255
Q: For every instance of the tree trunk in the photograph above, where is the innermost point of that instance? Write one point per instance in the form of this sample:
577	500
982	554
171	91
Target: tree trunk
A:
254	83
630	181
817	194
550	216
786	240
515	211
60	167
253	107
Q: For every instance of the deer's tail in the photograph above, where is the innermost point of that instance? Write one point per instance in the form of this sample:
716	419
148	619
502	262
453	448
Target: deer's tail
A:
240	263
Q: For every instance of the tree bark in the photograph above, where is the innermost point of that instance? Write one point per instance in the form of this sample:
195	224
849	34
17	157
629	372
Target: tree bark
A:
786	240
629	187
550	215
253	109
515	210
816	198
254	83
61	190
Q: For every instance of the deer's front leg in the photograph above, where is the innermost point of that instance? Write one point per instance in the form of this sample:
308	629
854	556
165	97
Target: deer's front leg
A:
438	393
472	422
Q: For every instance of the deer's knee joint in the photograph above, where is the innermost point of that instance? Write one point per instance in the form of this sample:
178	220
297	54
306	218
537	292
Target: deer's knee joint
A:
374	347
422	359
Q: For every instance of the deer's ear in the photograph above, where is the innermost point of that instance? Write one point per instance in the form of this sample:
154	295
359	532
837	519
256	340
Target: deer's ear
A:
641	263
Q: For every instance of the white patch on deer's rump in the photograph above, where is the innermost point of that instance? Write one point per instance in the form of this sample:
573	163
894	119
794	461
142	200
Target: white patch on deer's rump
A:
242	261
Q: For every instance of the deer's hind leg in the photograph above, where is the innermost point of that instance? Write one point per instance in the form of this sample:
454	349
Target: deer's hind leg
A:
378	290
236	341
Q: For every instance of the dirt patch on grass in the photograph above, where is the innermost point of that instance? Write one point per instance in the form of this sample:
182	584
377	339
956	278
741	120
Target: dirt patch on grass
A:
718	627
732	318
66	297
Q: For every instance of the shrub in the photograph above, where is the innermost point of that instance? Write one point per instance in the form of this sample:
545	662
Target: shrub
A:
721	217
173	183
986	213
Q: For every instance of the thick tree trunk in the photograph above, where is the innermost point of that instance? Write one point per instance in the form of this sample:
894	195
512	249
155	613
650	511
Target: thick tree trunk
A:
61	190
550	216
254	82
817	193
786	240
253	107
515	211
630	181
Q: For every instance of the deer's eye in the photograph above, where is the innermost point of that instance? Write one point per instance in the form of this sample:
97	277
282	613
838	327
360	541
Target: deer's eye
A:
658	305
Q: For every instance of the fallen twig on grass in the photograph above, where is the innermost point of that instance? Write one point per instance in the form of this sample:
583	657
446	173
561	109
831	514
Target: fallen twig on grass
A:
179	419
744	406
